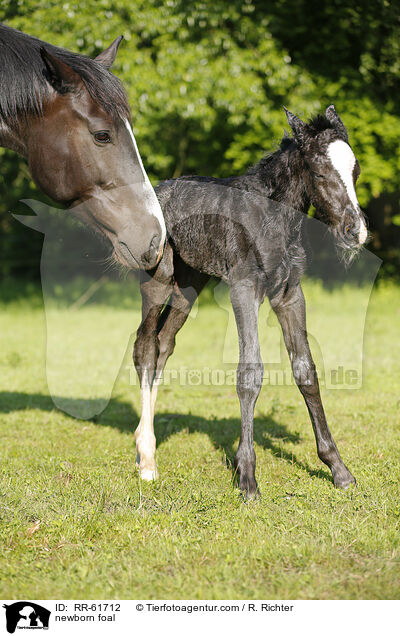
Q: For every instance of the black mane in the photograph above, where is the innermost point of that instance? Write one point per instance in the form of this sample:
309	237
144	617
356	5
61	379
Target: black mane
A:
315	126
23	83
320	123
271	174
274	169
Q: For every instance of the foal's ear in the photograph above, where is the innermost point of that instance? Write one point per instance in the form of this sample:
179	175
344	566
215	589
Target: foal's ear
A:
298	127
335	120
107	57
61	76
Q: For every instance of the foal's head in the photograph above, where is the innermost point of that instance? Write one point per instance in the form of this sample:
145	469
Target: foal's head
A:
332	172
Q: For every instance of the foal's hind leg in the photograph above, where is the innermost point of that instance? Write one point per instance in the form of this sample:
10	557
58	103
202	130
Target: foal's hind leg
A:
249	379
290	311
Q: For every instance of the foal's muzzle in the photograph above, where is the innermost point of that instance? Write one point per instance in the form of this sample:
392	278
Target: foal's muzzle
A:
354	231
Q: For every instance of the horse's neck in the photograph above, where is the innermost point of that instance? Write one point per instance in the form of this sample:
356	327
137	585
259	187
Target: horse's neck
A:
285	177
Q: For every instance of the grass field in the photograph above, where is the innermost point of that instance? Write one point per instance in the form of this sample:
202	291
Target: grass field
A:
76	522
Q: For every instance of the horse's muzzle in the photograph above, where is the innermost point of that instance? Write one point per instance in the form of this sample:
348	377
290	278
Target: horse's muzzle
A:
152	256
147	260
354	232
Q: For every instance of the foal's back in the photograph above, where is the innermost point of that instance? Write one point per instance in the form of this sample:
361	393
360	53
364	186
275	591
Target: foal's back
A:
218	227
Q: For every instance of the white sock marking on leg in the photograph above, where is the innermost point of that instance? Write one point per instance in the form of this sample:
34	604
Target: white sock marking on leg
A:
145	438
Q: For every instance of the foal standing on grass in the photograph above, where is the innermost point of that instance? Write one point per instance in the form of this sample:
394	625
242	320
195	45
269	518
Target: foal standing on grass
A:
246	231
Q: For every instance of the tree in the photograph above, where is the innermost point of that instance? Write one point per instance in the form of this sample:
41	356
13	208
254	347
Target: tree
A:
207	81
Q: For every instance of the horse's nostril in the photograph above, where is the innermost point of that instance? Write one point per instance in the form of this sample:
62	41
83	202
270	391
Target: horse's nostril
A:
155	242
351	231
149	258
352	224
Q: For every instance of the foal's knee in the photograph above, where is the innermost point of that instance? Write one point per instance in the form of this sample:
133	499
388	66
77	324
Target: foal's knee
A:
304	371
249	381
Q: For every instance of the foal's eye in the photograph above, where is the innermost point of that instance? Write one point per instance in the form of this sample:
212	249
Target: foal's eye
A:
319	176
102	137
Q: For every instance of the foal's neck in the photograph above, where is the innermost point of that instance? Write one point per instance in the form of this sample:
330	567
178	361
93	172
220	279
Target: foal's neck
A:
284	176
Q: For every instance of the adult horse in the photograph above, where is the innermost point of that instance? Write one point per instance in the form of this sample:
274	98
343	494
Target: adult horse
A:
69	117
247	231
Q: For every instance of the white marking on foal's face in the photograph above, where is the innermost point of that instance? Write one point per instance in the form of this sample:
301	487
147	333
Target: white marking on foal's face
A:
343	160
154	206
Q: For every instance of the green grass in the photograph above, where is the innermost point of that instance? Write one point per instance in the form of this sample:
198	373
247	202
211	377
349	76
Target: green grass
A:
76	522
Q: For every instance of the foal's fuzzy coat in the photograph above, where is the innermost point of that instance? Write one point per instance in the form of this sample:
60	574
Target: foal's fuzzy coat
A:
247	231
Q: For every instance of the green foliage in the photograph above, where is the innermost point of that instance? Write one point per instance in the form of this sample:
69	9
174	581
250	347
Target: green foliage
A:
207	80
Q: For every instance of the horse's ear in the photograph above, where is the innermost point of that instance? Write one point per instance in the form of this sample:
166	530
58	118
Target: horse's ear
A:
335	120
61	76
107	57
298	127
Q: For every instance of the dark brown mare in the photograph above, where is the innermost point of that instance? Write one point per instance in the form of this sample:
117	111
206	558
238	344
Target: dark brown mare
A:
69	117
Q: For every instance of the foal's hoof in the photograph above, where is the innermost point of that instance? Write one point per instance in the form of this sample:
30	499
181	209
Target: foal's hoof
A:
148	474
147	469
344	479
251	495
249	489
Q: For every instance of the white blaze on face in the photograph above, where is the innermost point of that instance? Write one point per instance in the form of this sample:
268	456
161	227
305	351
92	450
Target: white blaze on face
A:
343	160
154	206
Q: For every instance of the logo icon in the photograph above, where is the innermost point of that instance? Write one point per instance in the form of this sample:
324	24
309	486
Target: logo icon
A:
26	615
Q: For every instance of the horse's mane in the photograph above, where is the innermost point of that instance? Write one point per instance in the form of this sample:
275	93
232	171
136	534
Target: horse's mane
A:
23	85
320	123
272	168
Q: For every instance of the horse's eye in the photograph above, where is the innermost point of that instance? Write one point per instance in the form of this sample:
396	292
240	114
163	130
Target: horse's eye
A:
102	137
318	176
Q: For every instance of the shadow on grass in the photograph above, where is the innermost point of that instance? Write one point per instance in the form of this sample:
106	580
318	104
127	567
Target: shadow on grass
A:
223	433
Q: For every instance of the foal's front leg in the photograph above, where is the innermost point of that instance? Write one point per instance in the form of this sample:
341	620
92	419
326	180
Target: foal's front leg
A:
290	311
155	291
145	358
249	380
